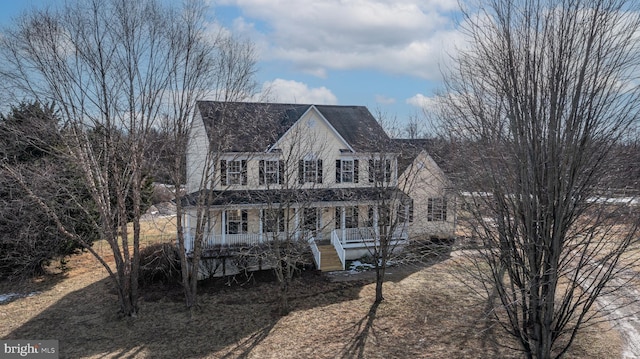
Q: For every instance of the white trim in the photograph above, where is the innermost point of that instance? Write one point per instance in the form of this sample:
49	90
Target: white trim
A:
311	107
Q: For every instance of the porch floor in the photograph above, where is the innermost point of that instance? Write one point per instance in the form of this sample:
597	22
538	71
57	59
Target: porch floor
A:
329	259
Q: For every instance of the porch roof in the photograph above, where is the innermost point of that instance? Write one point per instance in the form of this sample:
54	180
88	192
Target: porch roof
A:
296	197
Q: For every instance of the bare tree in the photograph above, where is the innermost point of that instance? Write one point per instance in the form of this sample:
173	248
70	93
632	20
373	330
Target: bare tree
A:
109	66
219	67
537	101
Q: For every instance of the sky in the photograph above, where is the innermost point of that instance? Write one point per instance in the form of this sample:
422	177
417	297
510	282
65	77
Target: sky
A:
387	55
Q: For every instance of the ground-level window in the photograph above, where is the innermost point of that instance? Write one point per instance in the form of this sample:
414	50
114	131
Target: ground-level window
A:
236	221
351	215
310	219
273	220
405	211
384	216
436	209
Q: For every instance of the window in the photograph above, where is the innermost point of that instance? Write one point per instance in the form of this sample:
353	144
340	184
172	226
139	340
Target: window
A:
271	172
384	216
347	171
436	209
310	171
380	170
273	220
233	172
350	217
236	221
405	211
310	219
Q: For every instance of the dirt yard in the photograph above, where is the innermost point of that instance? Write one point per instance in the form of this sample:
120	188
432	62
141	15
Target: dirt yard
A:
427	313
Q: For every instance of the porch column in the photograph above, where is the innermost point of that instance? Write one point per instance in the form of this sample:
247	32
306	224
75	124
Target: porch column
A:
224	227
187	232
343	223
261	224
296	223
376	229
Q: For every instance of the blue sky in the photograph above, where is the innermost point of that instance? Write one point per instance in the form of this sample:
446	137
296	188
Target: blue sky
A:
383	54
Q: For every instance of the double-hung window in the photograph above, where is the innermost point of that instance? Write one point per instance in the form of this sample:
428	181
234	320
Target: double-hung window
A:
273	220
347	171
271	172
233	172
237	221
436	209
310	171
405	211
351	215
380	170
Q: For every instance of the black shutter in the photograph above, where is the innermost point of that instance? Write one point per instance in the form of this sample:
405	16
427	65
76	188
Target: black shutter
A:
301	171
244	172
338	217
280	172
261	172
319	173
338	170
356	170
387	172
411	210
371	171
245	216
281	220
223	172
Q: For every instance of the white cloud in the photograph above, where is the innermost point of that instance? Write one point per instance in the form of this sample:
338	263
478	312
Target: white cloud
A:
421	101
408	37
385	100
289	91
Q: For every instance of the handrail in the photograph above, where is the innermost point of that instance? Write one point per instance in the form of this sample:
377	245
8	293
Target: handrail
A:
317	255
342	254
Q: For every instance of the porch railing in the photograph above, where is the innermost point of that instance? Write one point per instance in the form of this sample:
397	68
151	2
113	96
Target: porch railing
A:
346	237
366	234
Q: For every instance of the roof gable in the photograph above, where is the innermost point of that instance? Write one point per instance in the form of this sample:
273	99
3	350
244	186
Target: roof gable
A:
256	127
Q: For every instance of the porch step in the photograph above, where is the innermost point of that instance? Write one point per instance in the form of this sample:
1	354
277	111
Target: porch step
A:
329	261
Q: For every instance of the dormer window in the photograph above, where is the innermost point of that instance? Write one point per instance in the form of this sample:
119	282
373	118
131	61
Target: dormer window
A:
347	171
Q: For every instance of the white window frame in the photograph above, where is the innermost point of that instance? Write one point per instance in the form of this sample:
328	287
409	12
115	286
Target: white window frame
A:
310	171
436	209
271	176
236	216
234	176
344	172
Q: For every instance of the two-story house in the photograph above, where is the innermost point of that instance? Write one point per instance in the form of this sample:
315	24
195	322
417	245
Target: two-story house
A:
329	175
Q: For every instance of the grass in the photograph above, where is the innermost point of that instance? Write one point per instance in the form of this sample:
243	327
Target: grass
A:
427	313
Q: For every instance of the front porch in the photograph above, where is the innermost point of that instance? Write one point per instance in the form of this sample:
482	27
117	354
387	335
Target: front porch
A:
343	243
349	228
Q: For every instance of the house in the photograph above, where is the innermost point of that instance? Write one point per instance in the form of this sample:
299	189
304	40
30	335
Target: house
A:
324	175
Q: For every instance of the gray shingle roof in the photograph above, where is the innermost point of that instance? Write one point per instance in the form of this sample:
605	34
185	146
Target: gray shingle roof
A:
254	127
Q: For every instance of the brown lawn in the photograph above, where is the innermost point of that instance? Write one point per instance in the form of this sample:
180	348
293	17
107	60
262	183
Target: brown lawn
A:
427	313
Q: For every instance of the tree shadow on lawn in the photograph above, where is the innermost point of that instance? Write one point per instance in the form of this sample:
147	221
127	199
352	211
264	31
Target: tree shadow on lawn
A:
234	319
11	290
